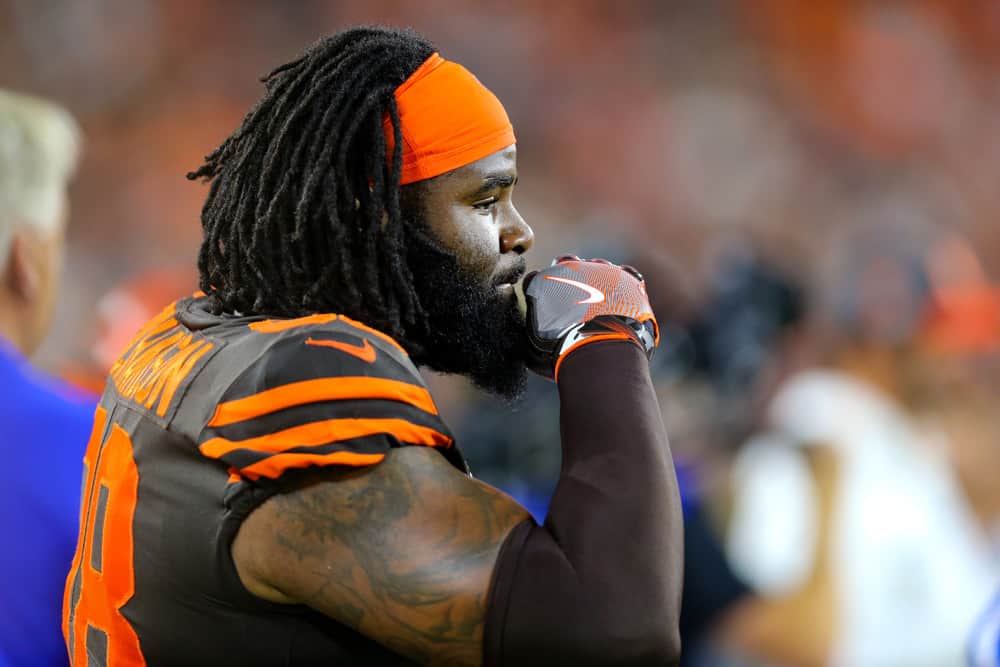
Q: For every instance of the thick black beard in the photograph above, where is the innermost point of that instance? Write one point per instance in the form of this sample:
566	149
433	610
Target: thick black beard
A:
474	330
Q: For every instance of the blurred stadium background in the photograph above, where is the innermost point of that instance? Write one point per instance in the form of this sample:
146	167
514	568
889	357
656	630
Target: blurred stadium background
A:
805	184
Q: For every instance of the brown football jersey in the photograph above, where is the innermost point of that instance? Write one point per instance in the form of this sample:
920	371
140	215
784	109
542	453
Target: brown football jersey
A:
204	417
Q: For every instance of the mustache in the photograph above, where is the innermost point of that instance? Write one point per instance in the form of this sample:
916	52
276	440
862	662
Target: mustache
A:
512	274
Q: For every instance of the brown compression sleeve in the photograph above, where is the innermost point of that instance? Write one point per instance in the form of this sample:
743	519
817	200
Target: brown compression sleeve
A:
600	583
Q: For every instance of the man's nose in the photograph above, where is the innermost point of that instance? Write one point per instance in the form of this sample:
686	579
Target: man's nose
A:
516	235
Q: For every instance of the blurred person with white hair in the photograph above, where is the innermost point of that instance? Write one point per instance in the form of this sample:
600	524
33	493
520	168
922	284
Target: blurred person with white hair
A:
44	424
900	540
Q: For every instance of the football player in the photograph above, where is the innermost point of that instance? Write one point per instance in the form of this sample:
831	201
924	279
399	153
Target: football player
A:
269	480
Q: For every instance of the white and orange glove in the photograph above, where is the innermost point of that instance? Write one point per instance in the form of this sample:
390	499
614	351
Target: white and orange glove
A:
575	301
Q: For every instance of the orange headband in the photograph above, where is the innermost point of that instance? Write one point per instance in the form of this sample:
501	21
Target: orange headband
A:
448	119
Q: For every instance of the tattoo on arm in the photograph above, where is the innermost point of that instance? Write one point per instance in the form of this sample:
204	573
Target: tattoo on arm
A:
402	552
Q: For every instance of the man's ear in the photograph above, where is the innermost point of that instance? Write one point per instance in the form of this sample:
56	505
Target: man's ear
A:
22	272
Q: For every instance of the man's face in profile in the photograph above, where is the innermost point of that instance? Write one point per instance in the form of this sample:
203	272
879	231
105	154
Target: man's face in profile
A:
464	248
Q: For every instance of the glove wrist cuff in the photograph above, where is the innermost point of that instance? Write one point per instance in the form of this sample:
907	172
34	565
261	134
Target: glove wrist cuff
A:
605	328
595	338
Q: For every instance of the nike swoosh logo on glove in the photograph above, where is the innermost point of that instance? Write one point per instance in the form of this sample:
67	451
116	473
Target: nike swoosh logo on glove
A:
596	295
365	352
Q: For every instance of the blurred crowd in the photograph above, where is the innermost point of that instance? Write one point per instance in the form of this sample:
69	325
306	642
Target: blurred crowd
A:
810	189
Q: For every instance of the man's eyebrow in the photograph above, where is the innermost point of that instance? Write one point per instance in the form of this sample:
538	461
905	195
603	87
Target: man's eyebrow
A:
495	182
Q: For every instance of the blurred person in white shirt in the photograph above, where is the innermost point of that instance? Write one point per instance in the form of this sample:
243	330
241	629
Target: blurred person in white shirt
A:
907	561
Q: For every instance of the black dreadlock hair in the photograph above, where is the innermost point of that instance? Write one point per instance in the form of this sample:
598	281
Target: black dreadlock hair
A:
303	214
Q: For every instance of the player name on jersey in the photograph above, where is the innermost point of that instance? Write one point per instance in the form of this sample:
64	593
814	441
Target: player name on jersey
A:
156	364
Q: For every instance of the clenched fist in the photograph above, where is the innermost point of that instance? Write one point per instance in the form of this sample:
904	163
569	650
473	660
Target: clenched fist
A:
576	301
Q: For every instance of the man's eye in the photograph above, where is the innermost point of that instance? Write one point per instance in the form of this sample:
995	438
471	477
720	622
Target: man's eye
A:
486	203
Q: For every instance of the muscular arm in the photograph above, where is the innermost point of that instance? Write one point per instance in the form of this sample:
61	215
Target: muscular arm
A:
405	551
401	552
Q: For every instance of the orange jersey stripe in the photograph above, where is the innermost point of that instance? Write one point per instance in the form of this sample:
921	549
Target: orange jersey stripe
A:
273	466
323	389
324	432
275	326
